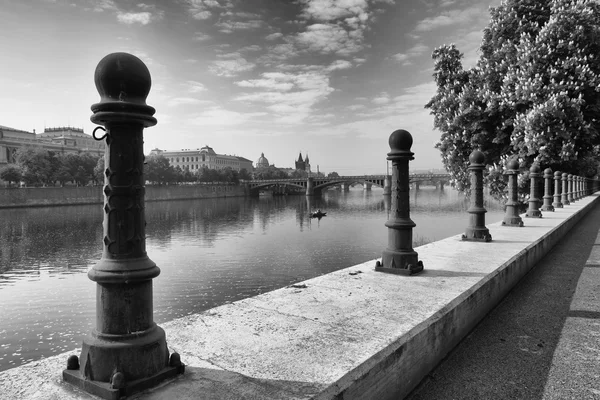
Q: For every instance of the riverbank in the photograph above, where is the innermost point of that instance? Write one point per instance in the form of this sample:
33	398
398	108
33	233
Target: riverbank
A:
353	333
79	195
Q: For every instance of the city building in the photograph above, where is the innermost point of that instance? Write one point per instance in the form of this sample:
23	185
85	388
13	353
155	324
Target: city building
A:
195	159
303	164
262	162
59	140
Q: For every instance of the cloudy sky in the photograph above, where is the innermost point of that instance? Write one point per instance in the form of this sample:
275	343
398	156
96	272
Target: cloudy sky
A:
331	78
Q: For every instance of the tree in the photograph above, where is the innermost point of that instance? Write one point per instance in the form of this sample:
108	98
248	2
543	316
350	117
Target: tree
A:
34	163
158	170
244	175
99	171
11	173
333	175
532	95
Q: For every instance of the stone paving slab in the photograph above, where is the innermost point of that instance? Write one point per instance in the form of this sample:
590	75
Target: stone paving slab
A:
347	334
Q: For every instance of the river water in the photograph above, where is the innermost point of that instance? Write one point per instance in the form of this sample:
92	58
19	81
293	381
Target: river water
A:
210	252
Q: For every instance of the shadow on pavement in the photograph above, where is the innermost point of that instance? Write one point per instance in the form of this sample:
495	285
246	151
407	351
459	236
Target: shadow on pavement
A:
510	353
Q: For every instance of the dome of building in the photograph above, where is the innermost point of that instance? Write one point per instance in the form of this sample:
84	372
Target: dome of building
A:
262	162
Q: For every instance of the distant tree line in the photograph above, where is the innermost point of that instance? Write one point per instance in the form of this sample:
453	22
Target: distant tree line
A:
159	171
39	167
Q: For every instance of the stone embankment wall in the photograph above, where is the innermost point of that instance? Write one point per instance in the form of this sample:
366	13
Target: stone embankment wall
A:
71	195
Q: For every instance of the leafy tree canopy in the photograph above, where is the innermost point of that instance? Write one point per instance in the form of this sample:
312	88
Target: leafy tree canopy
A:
534	93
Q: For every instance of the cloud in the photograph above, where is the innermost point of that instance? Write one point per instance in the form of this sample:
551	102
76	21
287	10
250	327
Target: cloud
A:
195	87
413	52
339	64
201	37
203	9
274	36
329	10
231	26
290	95
448	18
329	39
231	67
142	18
383	98
218	116
184	101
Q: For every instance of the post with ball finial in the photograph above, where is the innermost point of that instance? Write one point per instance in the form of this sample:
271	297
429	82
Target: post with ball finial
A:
557	190
533	211
477	231
511	216
126	352
547	206
564	196
570	193
399	257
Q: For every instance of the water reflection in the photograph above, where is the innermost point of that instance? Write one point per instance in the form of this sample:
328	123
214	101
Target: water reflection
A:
210	252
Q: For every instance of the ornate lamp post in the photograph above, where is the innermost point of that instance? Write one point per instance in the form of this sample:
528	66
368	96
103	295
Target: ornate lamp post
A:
126	352
399	257
477	231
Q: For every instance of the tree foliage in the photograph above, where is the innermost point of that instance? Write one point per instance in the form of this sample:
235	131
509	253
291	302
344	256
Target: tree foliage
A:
11	173
534	93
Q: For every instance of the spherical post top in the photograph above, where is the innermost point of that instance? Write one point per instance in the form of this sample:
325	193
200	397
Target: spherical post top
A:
557	174
565	175
548	173
477	158
122	77
400	143
535	168
512	164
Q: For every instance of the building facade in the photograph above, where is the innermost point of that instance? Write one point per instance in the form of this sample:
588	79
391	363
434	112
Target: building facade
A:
303	164
195	159
59	140
262	161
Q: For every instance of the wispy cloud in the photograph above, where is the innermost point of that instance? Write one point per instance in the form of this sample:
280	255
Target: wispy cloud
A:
233	65
448	18
415	51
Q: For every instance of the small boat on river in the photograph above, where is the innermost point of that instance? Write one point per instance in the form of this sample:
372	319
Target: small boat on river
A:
317	214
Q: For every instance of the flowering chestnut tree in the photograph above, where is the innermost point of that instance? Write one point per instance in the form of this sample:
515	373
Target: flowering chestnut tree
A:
534	93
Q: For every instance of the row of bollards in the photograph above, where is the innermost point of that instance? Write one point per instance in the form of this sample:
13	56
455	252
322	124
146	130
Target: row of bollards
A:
127	351
400	258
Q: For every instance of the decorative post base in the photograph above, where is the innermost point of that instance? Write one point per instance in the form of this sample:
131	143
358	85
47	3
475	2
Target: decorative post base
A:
117	388
477	235
409	263
533	214
513	221
547	208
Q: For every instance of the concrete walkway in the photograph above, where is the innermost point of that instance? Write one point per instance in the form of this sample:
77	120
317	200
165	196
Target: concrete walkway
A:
543	339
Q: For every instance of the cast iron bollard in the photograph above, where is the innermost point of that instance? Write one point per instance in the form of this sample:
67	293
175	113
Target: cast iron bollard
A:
533	211
477	231
399	257
576	188
548	190
557	193
564	197
511	216
580	187
126	352
570	193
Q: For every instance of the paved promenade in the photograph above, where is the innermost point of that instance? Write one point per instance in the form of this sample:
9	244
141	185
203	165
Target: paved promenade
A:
543	339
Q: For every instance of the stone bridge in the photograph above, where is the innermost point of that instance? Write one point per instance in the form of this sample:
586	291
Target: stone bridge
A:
315	185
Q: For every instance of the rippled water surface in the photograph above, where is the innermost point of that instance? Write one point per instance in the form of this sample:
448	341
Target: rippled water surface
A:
210	252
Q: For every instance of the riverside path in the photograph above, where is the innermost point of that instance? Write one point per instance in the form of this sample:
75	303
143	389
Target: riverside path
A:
542	341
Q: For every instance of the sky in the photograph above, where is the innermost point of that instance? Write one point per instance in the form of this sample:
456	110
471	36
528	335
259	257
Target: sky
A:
328	78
